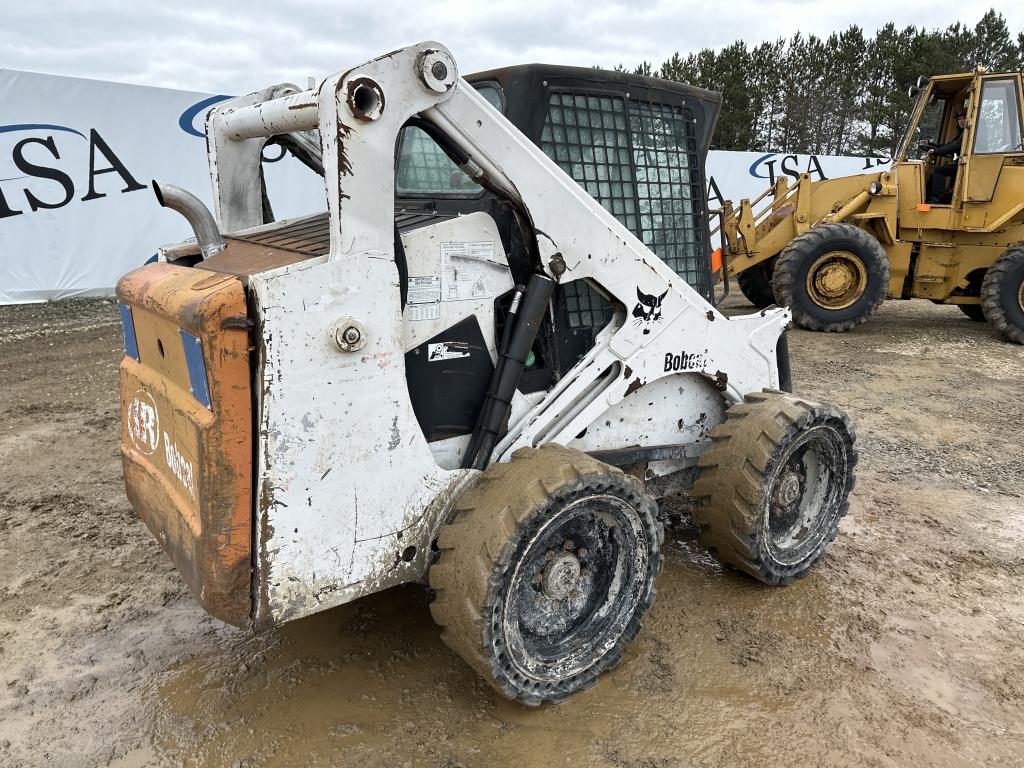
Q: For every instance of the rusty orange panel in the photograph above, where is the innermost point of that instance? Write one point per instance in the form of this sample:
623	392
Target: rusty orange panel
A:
188	468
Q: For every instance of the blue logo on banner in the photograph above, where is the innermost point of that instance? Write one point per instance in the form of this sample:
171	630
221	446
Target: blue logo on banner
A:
754	166
38	127
187	120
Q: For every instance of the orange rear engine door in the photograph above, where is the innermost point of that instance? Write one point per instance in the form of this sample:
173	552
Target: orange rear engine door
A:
186	426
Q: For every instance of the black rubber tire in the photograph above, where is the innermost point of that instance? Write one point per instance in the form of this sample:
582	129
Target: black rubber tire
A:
742	474
493	544
790	277
1001	294
756	284
973	311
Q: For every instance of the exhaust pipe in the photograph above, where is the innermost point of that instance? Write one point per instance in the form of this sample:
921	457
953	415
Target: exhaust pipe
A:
198	215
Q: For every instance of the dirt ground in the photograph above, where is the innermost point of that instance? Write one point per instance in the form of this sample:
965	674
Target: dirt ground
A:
902	648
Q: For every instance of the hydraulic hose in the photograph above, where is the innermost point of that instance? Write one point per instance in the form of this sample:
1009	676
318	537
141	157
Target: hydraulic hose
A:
521	328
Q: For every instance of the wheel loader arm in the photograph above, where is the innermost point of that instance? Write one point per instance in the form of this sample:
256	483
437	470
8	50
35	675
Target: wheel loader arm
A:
758	230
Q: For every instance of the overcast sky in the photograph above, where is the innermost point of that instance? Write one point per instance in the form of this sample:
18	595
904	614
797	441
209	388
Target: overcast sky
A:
234	47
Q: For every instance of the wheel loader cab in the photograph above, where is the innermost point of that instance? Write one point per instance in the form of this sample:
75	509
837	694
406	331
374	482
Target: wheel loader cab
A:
991	139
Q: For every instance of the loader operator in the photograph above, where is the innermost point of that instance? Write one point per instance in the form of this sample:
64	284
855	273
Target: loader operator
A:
937	183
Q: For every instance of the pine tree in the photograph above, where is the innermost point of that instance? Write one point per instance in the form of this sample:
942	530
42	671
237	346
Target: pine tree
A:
844	94
993	45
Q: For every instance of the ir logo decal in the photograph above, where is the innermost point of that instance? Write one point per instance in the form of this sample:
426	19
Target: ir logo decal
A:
144	422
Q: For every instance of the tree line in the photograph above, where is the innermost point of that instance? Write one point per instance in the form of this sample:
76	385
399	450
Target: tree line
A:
845	94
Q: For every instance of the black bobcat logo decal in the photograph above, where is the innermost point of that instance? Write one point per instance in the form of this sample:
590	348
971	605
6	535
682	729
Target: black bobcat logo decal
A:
648	310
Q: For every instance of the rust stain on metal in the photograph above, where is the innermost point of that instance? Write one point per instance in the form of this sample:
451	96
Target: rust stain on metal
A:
634	385
710	316
721	380
344	165
627	372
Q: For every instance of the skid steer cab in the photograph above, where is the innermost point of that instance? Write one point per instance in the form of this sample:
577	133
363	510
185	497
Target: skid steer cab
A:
317	409
945	222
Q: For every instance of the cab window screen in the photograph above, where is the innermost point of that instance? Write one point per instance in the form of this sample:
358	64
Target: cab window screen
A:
667	184
424	169
639	160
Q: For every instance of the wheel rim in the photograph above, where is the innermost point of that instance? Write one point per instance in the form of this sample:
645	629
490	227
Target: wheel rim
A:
573	591
836	280
803	494
1020	296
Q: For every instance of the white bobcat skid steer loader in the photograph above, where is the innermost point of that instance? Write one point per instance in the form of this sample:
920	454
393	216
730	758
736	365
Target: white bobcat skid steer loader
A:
317	409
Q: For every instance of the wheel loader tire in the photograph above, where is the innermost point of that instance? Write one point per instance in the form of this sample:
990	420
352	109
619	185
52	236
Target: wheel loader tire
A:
1002	294
774	485
833	277
973	311
756	284
545	572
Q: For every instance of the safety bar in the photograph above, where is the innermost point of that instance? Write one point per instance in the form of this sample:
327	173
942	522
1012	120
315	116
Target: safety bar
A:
287	114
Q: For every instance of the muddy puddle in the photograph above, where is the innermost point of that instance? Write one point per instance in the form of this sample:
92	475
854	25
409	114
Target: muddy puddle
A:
373	683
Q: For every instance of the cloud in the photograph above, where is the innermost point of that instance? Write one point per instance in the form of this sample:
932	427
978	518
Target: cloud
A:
235	46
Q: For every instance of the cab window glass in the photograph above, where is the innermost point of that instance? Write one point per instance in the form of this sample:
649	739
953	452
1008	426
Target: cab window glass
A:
424	169
930	127
998	128
492	94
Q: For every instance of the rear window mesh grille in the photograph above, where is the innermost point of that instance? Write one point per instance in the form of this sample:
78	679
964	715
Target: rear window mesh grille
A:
667	184
638	159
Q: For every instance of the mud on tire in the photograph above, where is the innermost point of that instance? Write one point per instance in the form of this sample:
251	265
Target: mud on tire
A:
833	277
546	571
1002	294
774	485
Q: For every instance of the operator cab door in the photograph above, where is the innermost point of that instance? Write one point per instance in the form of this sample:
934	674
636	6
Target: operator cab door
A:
992	183
933	123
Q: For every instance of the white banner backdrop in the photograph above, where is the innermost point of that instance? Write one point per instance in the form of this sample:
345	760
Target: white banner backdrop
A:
77	158
76	161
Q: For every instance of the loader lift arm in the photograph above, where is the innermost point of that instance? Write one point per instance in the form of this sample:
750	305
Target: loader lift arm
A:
366	107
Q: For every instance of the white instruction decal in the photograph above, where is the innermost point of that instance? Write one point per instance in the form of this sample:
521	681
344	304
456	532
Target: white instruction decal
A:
461	274
423	311
447	350
424	295
424	289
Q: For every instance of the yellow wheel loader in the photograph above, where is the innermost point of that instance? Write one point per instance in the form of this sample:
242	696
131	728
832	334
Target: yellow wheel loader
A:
945	222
